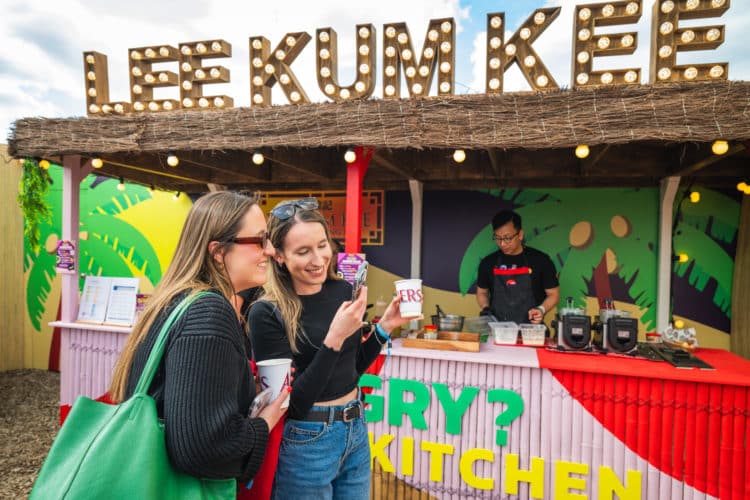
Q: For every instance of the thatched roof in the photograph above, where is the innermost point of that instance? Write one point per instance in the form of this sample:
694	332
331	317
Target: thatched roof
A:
641	133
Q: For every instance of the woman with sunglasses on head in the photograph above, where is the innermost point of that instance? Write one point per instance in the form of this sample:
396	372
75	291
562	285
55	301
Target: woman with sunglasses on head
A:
307	314
203	387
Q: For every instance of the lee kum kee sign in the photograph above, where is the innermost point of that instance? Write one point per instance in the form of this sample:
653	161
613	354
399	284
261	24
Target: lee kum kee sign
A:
403	60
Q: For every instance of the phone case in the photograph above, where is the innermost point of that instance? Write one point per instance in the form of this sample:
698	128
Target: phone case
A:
260	402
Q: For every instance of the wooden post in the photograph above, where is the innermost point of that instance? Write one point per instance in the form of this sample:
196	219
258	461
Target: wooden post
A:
73	174
668	191
355	177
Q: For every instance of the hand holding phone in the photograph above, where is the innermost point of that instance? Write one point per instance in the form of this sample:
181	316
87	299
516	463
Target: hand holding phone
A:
360	277
260	402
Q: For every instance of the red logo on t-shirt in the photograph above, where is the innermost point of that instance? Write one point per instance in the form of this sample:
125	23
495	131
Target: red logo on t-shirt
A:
510	282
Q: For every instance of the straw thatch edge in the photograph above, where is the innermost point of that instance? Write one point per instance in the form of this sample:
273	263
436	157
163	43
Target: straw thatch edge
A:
681	112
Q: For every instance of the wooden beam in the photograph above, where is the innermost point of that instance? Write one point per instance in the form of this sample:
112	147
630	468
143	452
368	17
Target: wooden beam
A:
710	160
288	161
385	159
237	163
495	163
597	153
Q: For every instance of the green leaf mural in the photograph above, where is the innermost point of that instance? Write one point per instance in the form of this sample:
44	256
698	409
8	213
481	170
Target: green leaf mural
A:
707	260
113	247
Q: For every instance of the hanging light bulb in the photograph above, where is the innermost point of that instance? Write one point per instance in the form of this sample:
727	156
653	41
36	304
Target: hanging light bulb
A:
582	151
258	158
97	162
720	147
742	186
695	196
44	164
176	196
679	324
350	156
121	185
459	155
151	189
682	258
172	159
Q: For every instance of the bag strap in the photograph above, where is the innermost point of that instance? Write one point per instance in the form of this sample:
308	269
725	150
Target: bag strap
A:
154	358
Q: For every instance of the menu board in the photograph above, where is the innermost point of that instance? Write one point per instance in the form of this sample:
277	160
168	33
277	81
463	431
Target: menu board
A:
108	300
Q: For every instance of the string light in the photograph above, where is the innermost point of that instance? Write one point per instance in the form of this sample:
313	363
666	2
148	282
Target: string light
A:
679	324
172	159
97	162
720	147
350	156
258	158
743	187
121	185
582	151
44	164
176	196
695	196
682	258
459	155
151	189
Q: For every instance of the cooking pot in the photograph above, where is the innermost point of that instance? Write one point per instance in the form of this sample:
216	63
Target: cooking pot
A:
448	322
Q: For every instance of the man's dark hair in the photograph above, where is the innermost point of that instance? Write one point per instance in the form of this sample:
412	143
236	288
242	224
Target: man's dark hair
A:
503	217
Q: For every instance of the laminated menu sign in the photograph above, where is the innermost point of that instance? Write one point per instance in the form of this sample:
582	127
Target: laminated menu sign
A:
122	297
108	300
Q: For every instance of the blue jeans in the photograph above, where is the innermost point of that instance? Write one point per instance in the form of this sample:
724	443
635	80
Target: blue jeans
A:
322	460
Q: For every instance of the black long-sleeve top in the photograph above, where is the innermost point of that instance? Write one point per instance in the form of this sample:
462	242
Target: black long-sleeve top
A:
203	389
322	374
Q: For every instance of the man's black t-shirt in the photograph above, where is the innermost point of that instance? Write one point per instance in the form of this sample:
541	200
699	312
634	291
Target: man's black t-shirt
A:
543	273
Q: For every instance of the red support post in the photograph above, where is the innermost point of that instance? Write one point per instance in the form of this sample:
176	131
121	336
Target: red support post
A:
355	177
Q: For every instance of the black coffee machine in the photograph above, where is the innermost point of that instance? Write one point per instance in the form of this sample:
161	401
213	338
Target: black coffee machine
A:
573	328
615	330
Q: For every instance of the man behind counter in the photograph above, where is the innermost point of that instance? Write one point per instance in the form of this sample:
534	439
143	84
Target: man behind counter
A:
516	283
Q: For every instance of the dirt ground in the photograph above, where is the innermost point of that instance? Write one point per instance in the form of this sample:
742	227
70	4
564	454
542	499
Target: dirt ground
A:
29	420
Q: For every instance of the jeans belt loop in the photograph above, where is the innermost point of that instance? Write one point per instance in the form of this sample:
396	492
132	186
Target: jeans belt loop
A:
331	415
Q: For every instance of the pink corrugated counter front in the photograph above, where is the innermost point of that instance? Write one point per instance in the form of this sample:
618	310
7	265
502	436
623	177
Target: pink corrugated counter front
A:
590	424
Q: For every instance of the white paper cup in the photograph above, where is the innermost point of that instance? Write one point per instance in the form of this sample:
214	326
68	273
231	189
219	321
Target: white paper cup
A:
410	292
275	373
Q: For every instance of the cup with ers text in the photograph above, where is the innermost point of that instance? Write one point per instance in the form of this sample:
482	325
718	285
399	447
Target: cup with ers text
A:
411	298
276	374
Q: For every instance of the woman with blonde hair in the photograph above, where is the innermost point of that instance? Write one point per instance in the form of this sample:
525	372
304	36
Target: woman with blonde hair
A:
203	387
307	314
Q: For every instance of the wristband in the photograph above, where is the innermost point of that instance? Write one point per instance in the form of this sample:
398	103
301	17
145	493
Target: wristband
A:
541	308
381	334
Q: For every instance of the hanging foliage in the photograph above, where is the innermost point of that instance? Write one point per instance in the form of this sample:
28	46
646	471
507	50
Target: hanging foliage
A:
32	194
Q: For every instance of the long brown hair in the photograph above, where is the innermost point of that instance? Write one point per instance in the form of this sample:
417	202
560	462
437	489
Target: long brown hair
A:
213	217
279	289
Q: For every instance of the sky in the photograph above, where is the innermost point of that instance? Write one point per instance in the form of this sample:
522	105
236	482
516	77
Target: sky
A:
41	62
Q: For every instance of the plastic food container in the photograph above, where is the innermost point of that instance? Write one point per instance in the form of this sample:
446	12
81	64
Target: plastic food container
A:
532	334
505	332
430	332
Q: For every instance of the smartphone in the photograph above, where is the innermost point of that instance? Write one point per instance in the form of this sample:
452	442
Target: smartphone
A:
360	277
260	402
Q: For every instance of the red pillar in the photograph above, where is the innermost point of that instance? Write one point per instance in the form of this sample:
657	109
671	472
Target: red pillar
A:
355	177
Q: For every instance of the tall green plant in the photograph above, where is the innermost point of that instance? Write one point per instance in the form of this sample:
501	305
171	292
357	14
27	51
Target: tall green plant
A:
32	194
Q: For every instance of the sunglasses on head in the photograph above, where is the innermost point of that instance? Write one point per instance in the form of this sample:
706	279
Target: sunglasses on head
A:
287	209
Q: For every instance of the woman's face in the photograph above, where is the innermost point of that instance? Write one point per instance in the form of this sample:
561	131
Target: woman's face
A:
246	262
307	254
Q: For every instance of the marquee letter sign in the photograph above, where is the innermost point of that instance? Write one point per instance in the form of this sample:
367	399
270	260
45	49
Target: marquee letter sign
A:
437	56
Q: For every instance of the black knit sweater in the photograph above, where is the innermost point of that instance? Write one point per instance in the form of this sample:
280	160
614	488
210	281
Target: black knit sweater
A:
203	389
322	374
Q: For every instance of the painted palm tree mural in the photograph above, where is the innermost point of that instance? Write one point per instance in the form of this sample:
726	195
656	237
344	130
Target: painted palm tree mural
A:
116	238
704	231
597	236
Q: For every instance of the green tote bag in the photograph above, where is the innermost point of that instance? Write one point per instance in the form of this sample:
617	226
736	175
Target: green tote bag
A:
118	451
